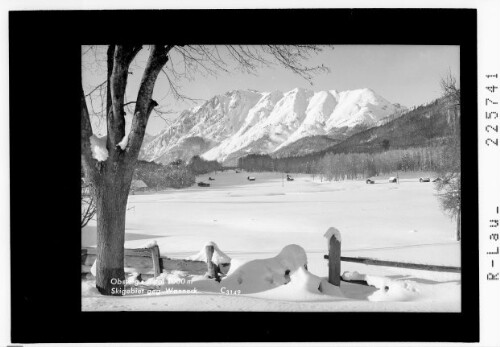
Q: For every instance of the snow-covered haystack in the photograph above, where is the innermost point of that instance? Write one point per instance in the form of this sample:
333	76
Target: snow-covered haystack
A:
218	257
263	274
98	147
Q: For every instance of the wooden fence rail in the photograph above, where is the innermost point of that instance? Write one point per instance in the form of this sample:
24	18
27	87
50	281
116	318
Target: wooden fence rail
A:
147	261
334	260
370	261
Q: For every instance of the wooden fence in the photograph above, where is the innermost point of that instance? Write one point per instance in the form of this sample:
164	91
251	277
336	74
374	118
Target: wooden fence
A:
149	263
334	261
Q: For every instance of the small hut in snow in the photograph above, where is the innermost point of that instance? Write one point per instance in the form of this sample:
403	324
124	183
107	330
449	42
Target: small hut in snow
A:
137	186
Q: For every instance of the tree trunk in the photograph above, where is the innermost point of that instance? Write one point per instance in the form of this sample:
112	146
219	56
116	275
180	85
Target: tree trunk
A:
112	178
111	196
459	225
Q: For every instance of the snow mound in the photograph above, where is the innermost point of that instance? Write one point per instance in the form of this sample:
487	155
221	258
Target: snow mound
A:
218	257
332	232
353	276
292	257
303	286
98	147
390	290
89	289
235	264
263	274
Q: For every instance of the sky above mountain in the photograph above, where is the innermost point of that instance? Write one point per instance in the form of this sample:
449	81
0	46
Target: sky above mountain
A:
403	74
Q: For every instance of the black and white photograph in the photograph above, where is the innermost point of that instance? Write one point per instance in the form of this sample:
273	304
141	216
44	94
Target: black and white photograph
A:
271	178
252	174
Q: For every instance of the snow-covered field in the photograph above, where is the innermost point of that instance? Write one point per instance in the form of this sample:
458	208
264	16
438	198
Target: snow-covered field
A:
252	222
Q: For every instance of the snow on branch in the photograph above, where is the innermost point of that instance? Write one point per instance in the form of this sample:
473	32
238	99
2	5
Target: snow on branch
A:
98	147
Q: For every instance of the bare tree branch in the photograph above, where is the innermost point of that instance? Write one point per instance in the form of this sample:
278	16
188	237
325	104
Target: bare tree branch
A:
449	188
99	86
158	57
88	204
122	58
88	162
450	88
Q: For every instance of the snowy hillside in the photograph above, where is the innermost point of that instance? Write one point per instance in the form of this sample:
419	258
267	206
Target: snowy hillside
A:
245	121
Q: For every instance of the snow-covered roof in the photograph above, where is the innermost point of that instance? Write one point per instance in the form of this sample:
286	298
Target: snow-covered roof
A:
138	184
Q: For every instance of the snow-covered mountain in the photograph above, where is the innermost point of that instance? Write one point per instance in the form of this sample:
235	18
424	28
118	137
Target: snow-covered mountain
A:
240	122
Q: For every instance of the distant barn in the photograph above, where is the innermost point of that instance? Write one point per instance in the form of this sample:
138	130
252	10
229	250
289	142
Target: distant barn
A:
138	186
251	178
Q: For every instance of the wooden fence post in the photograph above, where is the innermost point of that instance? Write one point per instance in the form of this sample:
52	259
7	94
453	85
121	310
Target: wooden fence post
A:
155	254
334	240
212	269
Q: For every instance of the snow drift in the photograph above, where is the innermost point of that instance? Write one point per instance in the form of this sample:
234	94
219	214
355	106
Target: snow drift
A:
263	274
388	290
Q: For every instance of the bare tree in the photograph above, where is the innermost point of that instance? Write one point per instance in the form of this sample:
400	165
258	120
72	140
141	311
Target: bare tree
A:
449	187
88	206
111	177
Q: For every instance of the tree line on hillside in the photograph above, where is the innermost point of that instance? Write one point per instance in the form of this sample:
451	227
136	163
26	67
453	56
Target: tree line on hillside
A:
419	127
333	166
177	174
158	177
200	166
